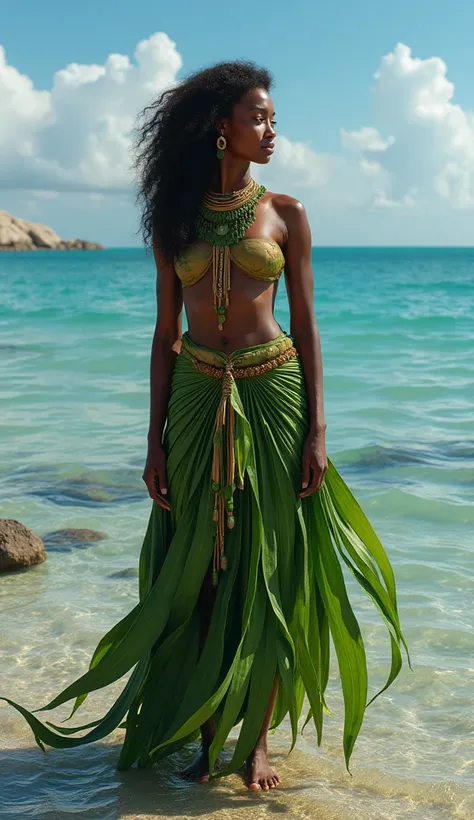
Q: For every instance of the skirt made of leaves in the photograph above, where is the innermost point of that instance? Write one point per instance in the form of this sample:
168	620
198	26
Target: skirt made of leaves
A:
279	601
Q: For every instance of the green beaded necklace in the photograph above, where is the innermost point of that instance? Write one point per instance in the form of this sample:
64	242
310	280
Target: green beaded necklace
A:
223	220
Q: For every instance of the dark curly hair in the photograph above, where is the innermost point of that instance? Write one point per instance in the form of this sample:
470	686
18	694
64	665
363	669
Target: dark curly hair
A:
176	149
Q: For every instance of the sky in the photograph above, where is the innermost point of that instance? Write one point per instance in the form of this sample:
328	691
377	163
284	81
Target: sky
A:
374	105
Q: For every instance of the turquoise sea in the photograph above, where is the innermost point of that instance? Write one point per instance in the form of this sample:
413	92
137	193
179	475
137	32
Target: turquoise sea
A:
397	332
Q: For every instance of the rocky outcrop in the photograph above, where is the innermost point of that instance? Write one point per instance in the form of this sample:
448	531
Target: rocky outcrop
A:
21	235
20	547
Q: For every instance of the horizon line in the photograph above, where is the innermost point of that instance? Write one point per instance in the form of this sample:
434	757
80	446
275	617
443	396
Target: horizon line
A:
331	247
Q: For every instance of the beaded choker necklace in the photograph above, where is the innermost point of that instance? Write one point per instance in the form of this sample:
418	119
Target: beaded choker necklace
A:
222	221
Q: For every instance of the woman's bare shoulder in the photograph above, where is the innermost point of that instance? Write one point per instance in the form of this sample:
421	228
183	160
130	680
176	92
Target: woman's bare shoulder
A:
285	205
289	209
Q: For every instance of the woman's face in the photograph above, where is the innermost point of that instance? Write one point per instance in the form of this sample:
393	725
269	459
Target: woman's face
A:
250	131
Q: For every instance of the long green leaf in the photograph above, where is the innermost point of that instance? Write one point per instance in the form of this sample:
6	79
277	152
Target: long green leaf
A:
240	681
369	580
108	723
286	668
311	683
176	657
345	632
349	509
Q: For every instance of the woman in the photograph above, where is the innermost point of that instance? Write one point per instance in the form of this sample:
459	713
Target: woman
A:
240	579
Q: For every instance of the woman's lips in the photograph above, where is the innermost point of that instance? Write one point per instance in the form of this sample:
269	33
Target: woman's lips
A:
269	148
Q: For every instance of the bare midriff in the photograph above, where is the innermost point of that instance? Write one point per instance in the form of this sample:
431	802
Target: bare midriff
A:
249	316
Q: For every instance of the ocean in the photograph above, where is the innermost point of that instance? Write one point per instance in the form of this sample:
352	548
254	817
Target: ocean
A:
397	334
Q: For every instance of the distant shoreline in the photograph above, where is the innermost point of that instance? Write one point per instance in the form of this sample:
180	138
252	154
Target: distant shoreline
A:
395	248
80	245
18	234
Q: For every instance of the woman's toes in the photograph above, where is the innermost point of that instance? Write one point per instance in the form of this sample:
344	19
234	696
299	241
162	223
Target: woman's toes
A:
255	786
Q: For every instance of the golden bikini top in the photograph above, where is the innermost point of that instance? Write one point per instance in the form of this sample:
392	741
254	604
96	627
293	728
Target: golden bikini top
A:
259	258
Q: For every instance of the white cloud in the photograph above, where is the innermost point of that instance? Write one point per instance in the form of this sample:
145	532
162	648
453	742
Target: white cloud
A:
23	109
367	139
77	136
380	200
302	165
370	167
429	147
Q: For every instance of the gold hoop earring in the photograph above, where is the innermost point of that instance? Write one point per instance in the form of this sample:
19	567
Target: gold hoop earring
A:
221	146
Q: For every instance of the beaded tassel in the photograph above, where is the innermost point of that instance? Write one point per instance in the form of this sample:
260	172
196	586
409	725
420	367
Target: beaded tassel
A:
221	281
223	472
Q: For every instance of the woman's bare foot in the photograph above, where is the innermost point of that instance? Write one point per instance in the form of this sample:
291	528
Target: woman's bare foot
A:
260	775
198	769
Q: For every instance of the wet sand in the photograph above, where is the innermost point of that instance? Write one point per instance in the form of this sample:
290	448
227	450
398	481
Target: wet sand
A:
83	783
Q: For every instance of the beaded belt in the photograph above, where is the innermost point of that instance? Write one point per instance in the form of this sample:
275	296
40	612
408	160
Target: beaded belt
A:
240	364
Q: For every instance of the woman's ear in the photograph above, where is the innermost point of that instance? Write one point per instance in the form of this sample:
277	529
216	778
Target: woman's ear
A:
221	124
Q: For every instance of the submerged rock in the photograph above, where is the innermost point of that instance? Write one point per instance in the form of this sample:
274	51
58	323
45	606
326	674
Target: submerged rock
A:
21	235
20	547
68	539
129	572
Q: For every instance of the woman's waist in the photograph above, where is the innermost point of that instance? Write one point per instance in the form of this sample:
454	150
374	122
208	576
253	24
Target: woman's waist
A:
278	348
236	334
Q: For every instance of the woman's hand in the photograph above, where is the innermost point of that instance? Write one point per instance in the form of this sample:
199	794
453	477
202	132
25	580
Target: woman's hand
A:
315	462
154	474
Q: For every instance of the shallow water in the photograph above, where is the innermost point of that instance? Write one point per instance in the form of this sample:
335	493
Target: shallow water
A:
396	329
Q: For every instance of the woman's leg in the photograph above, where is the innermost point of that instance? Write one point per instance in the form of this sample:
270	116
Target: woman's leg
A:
199	768
260	775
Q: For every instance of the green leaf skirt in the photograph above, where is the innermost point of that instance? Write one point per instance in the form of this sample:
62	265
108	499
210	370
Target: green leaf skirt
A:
234	446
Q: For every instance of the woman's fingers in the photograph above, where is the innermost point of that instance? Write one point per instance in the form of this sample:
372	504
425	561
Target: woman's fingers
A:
305	472
161	501
317	479
154	477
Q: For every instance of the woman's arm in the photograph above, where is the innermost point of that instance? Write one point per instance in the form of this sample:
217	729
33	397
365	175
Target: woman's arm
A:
165	347
166	342
304	330
303	324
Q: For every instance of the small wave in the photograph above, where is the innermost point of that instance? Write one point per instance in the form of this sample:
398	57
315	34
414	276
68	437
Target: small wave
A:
379	457
397	502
